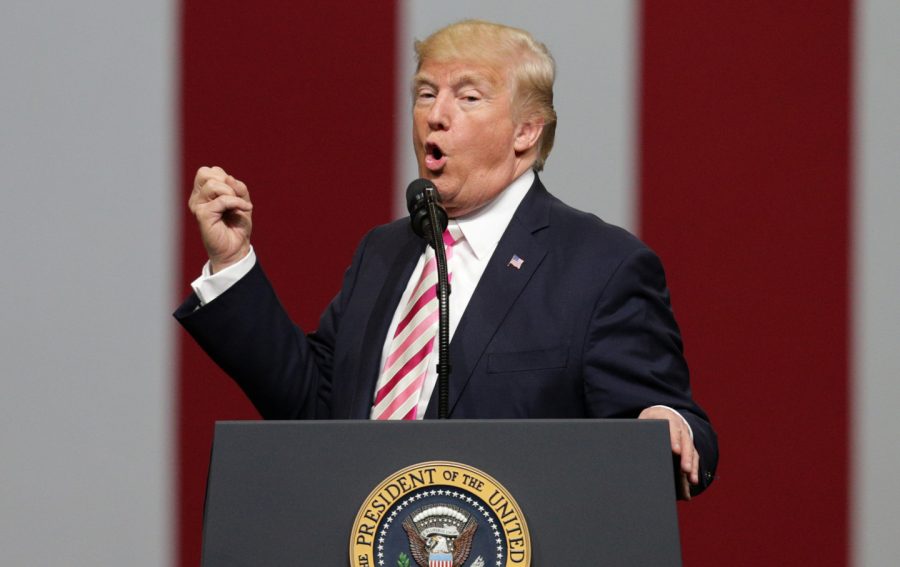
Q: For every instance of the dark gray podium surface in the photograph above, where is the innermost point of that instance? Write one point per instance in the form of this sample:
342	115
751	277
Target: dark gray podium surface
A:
593	492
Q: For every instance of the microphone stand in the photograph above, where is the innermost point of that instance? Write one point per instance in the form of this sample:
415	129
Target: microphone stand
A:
443	295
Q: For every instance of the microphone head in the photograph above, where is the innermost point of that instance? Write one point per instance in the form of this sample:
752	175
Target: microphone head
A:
419	194
415	193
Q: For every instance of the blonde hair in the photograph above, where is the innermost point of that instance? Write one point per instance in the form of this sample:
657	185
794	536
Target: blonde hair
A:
532	69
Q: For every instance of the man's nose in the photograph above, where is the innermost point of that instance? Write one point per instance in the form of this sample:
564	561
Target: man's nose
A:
439	114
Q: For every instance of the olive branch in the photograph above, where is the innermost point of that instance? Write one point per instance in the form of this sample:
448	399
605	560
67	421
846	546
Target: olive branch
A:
403	560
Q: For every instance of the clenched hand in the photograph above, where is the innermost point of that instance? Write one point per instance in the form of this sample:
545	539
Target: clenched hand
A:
223	210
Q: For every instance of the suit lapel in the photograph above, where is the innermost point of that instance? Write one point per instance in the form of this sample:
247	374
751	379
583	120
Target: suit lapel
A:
395	281
497	291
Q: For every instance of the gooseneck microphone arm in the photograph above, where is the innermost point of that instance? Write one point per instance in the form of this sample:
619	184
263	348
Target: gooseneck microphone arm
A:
443	295
429	220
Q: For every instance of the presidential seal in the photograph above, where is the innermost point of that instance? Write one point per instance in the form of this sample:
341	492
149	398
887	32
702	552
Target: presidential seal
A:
440	514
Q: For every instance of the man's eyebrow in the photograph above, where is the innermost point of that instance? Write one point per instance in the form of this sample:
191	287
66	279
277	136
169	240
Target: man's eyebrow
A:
474	80
466	79
420	80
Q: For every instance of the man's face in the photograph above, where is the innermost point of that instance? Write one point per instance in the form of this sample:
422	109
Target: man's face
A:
464	135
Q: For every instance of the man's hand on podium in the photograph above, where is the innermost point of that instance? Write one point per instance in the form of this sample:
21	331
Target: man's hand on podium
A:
682	445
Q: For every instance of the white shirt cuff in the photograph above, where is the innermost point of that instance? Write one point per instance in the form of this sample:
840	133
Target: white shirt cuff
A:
210	286
691	431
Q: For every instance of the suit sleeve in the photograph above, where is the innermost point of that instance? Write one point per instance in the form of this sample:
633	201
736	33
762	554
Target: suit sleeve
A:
634	357
284	372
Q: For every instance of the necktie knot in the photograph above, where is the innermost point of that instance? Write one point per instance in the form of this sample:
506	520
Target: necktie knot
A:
452	234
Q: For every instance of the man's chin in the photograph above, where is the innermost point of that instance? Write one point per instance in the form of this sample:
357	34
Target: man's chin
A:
431	175
440	183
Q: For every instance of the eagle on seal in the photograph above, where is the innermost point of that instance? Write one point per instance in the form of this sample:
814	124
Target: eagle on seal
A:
438	531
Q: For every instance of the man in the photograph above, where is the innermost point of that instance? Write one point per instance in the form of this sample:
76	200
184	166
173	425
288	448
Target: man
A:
554	314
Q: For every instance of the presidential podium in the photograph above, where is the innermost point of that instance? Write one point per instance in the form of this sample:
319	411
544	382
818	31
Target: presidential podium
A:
338	493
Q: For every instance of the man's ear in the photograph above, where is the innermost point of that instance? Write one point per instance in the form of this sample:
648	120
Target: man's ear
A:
528	133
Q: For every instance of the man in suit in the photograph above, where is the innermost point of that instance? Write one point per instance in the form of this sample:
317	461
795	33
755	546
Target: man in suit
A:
554	313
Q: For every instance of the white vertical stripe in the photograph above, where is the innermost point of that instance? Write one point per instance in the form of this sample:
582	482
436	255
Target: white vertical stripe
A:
87	157
875	478
592	166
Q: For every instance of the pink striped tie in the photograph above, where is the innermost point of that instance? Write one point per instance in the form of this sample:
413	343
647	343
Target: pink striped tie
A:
400	383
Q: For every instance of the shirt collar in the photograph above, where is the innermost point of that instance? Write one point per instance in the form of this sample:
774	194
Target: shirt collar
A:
484	227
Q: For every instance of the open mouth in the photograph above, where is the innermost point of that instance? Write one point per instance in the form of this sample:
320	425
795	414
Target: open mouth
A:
434	157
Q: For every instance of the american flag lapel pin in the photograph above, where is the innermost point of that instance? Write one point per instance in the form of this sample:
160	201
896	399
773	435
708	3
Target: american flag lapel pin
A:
516	262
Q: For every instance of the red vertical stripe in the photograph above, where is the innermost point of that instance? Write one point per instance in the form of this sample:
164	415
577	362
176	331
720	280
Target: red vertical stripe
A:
744	191
296	99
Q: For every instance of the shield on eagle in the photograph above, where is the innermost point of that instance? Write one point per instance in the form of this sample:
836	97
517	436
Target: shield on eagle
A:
440	535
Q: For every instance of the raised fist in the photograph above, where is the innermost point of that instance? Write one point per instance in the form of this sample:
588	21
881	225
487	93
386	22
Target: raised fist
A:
223	210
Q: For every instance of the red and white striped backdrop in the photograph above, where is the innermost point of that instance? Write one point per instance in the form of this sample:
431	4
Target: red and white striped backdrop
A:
754	145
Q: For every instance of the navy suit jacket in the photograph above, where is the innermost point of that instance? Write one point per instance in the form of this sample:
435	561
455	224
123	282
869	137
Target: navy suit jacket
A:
583	328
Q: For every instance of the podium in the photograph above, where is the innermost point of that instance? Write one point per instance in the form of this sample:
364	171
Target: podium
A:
592	492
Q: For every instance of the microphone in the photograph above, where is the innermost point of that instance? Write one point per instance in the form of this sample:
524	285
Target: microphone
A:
429	220
419	195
